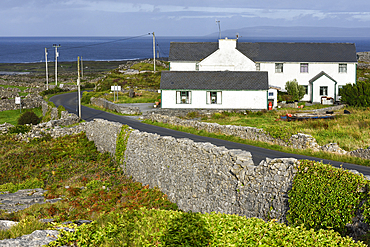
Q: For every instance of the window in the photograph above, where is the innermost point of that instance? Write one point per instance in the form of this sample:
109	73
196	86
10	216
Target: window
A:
278	68
183	97
323	91
305	89
304	67
271	94
340	87
342	68
258	66
214	97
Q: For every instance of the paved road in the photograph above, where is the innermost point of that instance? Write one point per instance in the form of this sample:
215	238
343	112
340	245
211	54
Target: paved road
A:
70	103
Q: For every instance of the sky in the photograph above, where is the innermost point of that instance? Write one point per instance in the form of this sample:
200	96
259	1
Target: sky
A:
172	18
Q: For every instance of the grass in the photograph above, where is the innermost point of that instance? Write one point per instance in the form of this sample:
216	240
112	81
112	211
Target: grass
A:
12	116
145	97
93	187
349	131
91	183
320	154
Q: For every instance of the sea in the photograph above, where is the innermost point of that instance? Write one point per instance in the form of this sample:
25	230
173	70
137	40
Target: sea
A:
32	49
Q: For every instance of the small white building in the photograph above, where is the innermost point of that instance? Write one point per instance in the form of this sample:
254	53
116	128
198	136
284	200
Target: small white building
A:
322	68
214	89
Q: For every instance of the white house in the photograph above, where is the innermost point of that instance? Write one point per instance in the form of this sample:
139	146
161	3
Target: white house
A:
214	89
322	68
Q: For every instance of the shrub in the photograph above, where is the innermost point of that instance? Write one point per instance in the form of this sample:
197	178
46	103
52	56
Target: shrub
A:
19	129
324	197
29	117
294	90
356	95
52	91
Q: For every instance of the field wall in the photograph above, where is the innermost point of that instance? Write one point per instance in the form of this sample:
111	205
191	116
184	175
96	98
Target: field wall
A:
201	177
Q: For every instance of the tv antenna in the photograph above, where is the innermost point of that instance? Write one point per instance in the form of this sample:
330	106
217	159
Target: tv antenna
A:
219	28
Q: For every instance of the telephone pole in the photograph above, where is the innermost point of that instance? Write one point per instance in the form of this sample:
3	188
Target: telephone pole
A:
79	88
56	63
154	51
82	68
47	74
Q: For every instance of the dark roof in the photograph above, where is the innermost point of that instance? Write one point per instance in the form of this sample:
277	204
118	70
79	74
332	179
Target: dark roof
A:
322	73
270	52
190	51
214	80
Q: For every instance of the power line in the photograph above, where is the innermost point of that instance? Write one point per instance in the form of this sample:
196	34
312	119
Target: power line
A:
76	47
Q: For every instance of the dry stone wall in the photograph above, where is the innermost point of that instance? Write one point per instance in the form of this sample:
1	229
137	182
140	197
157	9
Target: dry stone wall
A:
28	102
298	141
201	177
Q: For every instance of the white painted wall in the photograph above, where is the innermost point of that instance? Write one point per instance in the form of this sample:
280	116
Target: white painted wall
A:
227	57
323	81
291	71
183	66
273	97
230	100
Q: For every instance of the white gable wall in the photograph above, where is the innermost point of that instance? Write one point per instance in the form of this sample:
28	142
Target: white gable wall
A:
227	57
323	81
229	100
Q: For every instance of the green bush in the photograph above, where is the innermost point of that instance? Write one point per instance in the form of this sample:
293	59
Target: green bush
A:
29	117
324	197
356	95
53	91
144	227
19	129
295	90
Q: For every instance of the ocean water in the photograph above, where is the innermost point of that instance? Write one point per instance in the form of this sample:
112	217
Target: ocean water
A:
32	49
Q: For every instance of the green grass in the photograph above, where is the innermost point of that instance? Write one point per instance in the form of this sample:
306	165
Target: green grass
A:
349	131
12	116
10	86
307	152
92	184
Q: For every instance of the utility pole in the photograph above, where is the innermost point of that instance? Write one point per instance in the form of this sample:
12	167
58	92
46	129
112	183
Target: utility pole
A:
154	51
79	88
56	63
47	74
82	68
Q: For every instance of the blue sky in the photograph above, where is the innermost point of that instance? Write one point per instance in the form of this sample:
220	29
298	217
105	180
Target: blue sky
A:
172	18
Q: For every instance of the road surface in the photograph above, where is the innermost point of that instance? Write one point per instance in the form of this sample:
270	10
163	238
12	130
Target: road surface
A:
69	101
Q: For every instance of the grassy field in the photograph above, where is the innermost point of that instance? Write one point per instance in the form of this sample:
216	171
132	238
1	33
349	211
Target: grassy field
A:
13	115
349	131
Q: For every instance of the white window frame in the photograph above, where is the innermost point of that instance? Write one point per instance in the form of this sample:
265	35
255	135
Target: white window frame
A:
183	97
324	91
279	67
304	68
342	68
214	97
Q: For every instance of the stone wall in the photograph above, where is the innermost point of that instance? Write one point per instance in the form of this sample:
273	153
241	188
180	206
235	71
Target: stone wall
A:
298	141
201	177
103	103
28	102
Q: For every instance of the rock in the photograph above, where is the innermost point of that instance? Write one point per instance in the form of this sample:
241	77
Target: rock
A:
37	238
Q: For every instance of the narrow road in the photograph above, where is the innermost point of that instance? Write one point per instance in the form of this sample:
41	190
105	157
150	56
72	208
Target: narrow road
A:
69	101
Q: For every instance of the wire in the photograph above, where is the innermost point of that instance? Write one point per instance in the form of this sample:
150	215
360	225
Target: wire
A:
107	42
76	47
